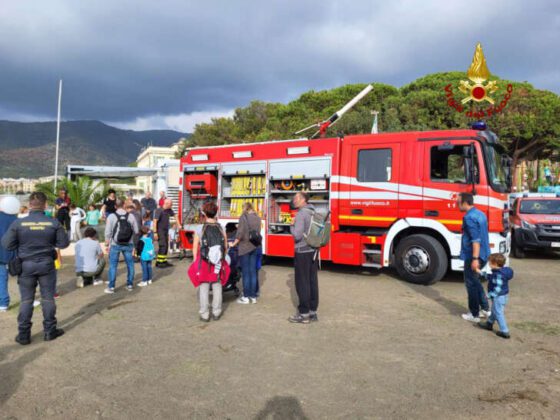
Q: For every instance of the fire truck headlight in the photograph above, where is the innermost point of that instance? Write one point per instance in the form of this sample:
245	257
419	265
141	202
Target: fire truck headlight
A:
527	225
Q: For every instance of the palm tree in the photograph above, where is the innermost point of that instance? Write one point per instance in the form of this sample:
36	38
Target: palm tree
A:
82	192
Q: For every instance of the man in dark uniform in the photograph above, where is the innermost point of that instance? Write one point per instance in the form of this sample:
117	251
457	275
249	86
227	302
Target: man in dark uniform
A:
35	238
161	229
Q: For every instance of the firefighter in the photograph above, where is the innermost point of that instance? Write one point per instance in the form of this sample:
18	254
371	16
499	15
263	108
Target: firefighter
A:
35	239
161	229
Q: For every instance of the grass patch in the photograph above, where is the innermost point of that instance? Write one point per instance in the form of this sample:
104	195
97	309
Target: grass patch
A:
538	327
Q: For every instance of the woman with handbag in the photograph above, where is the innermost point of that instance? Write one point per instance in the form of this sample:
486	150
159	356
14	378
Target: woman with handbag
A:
209	267
249	239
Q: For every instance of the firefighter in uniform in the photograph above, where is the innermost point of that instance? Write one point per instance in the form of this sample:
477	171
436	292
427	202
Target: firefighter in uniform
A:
161	232
35	239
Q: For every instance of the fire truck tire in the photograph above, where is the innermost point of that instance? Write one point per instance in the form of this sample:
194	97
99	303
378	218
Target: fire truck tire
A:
517	250
421	259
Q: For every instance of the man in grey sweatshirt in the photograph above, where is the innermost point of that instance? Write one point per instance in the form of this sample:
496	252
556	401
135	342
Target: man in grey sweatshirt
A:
119	231
306	263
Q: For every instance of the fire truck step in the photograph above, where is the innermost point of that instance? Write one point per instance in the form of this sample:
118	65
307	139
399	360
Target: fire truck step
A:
371	264
372	251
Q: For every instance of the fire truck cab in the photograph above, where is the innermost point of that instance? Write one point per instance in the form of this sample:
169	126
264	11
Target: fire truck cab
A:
392	196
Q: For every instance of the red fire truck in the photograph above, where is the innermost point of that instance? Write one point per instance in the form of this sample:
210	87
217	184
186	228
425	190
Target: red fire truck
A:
392	196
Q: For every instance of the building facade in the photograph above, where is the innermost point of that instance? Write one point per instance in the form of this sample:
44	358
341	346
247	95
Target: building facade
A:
153	157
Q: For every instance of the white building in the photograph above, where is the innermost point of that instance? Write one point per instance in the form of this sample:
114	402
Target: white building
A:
153	157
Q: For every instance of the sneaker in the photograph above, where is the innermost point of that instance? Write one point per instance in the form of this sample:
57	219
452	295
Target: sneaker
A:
484	314
129	287
80	282
109	290
143	284
204	319
53	335
23	339
3	309
486	325
36	303
299	319
253	300
216	317
502	334
56	295
469	317
149	282
313	316
243	300
97	282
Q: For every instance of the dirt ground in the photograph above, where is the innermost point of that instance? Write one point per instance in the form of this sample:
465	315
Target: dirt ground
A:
382	348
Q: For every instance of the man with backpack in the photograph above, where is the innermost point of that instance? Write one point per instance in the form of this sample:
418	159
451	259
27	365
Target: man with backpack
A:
306	262
119	232
161	232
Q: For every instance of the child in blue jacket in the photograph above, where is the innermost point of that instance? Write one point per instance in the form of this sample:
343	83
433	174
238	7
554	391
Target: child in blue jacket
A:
498	291
145	250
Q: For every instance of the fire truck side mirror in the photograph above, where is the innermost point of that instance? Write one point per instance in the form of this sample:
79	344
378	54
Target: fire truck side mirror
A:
469	155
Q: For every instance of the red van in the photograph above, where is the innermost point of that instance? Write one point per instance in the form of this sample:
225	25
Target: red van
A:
535	222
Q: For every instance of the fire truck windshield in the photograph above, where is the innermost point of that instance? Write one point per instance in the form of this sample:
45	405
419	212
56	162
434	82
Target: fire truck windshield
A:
497	176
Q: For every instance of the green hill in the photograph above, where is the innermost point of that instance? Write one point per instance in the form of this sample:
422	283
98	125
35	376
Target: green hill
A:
28	149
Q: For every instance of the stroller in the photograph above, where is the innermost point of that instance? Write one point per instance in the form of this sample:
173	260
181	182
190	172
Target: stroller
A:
235	273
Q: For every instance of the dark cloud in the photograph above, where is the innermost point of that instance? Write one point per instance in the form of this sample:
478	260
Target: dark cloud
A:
129	59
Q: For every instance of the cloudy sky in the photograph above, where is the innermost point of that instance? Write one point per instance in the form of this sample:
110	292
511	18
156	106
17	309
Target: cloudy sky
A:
172	63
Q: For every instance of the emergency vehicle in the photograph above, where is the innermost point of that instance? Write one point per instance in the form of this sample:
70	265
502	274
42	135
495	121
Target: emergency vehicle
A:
535	222
392	196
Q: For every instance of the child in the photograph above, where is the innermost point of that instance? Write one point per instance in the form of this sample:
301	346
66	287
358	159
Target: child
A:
148	222
498	291
89	259
145	249
77	215
173	235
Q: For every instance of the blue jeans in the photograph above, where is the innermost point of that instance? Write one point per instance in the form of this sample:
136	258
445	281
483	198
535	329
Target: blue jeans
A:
4	295
498	305
249	271
146	270
114	253
475	291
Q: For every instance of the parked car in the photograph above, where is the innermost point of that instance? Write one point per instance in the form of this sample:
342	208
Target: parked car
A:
535	223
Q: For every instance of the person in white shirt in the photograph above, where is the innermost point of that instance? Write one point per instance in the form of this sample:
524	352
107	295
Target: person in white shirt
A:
89	259
77	216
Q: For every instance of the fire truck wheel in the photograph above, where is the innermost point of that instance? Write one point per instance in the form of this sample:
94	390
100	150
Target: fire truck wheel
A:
517	250
421	259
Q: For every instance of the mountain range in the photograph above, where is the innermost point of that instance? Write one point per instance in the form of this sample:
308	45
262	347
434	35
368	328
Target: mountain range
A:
28	149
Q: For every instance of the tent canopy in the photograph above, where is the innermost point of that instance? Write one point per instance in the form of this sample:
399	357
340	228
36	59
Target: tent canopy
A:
108	171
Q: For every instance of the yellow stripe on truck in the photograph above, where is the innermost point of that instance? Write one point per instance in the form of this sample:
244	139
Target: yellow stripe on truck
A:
372	218
449	222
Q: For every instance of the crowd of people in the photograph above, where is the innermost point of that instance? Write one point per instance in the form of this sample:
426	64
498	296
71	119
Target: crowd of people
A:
142	230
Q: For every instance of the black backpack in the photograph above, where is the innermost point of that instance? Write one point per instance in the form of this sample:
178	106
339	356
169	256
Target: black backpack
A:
255	236
212	235
124	229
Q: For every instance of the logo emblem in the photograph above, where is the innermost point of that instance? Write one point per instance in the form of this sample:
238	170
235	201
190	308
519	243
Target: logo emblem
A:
477	91
478	73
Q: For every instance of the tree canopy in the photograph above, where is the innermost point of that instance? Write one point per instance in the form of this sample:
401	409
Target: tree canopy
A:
528	126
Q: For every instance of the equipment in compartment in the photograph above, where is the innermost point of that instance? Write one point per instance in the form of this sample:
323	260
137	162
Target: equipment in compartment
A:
201	185
281	212
240	189
236	206
247	186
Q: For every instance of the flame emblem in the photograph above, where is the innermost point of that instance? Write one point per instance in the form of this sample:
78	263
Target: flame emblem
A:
478	73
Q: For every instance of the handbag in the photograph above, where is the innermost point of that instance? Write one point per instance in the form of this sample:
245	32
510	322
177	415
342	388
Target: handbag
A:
15	266
255	236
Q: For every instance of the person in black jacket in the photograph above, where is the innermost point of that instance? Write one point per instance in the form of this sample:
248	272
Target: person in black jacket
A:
35	240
